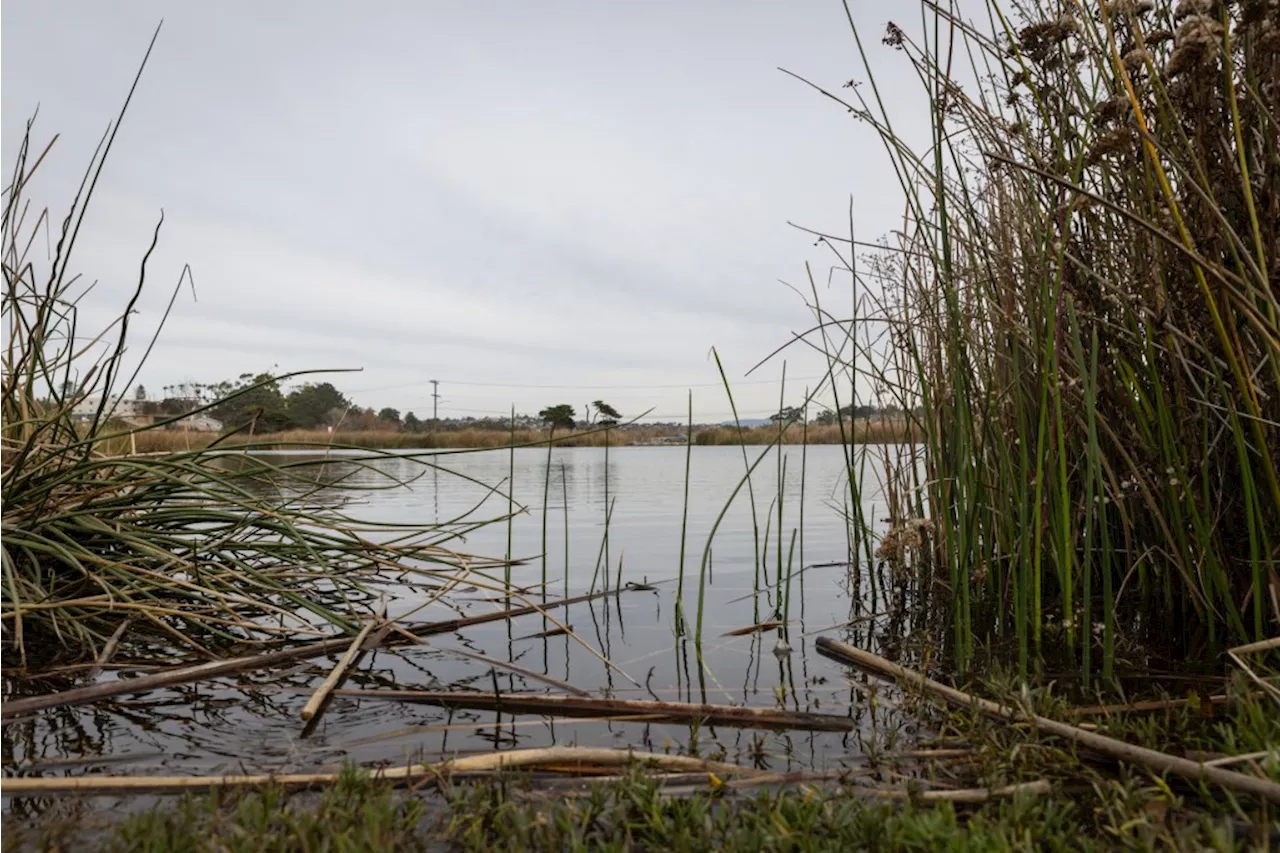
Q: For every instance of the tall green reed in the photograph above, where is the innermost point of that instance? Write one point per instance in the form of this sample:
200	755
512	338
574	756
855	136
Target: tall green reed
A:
1083	320
546	509
758	557
511	498
564	498
606	495
595	574
781	479
684	518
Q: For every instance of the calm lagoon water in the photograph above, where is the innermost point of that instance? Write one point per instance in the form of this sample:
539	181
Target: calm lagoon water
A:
252	724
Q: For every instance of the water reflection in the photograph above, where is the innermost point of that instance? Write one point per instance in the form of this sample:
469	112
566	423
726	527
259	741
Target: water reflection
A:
251	723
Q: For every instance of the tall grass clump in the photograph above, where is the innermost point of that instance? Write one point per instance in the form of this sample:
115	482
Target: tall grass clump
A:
197	549
1081	313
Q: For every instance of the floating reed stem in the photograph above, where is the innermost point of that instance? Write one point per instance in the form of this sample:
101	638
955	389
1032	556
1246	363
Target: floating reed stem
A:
337	673
575	706
200	672
559	756
1157	762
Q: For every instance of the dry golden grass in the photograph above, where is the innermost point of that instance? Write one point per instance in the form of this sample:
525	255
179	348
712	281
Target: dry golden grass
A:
871	432
878	431
391	440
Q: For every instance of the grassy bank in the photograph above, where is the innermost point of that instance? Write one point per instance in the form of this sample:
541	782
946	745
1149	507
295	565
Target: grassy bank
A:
893	801
633	814
873	432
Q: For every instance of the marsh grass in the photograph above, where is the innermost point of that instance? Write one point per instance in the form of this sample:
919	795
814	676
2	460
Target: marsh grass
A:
1081	313
193	548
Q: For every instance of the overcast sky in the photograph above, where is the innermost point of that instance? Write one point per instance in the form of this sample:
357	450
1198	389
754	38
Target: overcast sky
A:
501	196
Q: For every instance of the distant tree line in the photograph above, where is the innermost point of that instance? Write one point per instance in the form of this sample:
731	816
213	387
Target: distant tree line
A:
258	402
863	412
828	417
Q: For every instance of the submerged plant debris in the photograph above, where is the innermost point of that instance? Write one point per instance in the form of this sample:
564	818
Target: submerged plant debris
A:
912	799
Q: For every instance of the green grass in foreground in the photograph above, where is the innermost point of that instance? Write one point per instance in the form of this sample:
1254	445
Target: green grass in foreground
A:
359	814
1091	806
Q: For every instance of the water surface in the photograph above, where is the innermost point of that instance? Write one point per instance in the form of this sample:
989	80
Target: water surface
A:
251	723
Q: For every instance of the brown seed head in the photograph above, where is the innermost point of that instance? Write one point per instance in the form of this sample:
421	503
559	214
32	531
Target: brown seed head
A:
1188	8
1136	59
893	36
1197	41
1111	109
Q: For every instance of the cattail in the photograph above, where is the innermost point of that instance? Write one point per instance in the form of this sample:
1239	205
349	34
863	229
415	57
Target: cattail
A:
1119	8
1197	41
1193	8
1116	142
1136	59
1111	109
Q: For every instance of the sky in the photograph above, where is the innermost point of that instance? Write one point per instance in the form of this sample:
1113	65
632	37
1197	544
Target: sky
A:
530	203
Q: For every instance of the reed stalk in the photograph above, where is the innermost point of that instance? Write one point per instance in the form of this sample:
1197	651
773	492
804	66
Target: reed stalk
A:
546	498
757	557
1082	321
684	519
511	492
781	475
564	497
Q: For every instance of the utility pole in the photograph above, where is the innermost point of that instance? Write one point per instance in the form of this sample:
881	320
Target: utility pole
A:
435	400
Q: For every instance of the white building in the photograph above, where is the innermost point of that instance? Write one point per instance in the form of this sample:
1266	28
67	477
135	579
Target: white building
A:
134	411
125	409
199	423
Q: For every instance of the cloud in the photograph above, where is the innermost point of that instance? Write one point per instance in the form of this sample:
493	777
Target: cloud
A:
571	195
